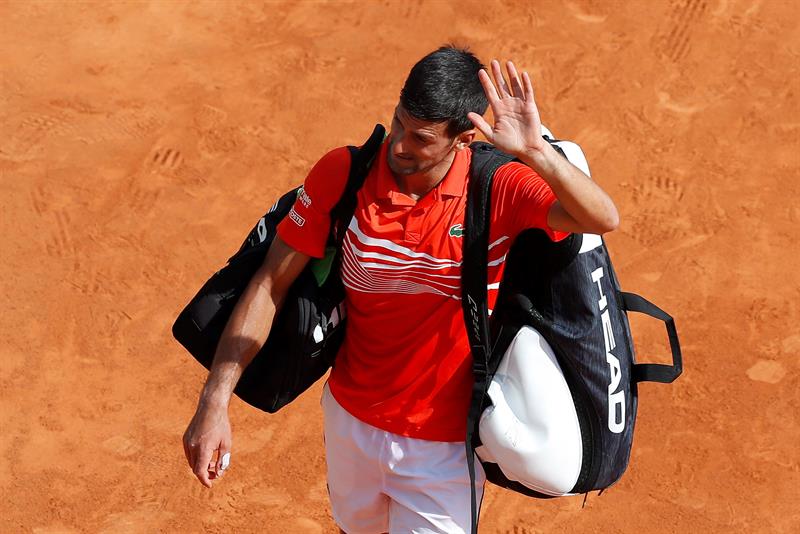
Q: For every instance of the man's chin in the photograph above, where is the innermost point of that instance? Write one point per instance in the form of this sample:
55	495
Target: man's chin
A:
401	170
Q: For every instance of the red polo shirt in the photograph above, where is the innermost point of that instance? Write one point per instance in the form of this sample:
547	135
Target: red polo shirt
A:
405	365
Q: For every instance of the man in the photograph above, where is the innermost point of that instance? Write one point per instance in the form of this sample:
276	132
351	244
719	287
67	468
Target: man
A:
395	404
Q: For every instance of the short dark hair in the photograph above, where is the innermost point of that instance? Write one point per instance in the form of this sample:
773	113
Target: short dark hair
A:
444	86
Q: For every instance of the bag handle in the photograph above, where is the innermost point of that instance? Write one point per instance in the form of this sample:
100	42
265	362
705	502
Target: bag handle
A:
655	372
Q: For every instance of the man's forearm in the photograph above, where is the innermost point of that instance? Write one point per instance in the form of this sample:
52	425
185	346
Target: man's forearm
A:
251	321
242	338
579	195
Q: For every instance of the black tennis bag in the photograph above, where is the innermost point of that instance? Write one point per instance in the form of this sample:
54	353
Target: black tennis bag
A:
308	329
569	293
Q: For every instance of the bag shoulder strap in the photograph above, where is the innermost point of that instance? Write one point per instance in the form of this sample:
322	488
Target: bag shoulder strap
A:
486	159
361	159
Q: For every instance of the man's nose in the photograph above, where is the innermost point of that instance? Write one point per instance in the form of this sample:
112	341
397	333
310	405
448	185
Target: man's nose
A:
397	145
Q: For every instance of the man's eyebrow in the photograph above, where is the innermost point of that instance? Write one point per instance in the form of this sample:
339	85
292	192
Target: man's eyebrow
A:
427	134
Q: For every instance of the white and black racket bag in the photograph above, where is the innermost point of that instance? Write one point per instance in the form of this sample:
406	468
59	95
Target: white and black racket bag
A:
555	392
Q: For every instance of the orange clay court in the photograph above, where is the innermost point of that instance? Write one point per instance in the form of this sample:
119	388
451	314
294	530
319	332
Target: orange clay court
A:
139	143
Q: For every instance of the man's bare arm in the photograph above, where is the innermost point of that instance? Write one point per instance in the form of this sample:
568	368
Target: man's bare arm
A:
582	205
246	332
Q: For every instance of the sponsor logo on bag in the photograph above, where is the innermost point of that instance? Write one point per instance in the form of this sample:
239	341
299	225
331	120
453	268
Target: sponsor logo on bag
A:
457	230
261	228
616	399
329	325
475	325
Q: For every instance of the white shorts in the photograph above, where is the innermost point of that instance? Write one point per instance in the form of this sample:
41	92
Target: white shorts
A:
383	482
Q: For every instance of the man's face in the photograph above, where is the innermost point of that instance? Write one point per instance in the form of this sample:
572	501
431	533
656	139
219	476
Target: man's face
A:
416	145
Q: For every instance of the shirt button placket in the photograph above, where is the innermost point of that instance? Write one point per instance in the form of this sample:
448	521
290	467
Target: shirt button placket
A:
413	232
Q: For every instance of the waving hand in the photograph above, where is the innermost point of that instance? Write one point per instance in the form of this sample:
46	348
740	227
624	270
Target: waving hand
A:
517	128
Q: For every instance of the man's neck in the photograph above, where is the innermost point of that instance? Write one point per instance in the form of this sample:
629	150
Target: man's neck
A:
419	184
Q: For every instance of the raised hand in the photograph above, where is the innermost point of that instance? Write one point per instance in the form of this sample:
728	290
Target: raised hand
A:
517	127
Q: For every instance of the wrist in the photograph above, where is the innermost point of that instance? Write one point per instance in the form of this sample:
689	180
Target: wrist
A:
214	396
213	404
544	160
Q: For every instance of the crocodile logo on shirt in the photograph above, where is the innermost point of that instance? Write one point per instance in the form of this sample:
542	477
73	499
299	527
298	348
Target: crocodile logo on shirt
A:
457	230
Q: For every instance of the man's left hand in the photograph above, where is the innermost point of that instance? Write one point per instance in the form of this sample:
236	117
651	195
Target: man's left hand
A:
517	127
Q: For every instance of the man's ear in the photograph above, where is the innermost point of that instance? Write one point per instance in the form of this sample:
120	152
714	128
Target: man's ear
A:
464	139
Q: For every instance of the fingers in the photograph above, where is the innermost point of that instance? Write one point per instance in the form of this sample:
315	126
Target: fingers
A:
488	87
201	466
212	466
481	124
499	89
513	78
224	459
528	86
502	86
186	450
